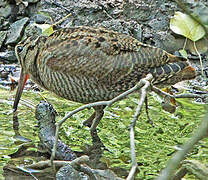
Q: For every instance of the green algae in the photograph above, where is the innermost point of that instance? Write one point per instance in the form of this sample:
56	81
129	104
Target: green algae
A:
154	145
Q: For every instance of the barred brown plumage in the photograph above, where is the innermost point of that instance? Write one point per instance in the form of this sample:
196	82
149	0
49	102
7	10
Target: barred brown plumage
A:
85	64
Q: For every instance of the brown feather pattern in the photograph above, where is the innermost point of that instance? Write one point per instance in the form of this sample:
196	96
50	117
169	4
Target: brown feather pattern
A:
86	64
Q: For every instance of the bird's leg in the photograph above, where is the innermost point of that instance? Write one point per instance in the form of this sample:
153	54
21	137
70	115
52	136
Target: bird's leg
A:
94	120
98	116
89	121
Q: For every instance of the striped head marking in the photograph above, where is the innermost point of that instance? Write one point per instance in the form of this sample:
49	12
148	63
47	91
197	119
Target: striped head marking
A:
26	55
25	52
21	52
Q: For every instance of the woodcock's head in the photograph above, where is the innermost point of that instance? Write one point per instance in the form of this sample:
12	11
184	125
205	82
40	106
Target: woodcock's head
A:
25	53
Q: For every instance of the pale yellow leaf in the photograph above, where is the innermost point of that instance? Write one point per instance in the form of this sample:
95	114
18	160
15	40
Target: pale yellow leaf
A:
184	25
183	53
47	29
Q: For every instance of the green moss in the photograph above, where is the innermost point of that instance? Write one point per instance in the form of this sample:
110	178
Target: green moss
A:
154	146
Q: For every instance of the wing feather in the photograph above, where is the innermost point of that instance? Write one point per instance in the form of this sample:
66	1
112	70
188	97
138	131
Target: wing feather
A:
105	55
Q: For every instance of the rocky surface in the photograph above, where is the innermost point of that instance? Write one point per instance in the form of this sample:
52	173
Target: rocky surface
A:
148	21
67	172
16	31
45	114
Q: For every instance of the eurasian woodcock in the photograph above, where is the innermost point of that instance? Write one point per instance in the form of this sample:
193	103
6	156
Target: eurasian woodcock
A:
86	65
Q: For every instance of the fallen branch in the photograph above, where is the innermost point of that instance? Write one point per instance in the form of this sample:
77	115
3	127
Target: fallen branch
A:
58	164
132	127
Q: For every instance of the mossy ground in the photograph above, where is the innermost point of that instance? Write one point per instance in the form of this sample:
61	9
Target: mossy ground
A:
154	146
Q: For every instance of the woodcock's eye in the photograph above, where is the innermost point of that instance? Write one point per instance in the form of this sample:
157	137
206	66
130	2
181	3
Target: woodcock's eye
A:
19	49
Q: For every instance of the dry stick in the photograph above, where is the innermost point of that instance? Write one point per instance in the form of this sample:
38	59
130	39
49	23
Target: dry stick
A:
76	164
46	164
160	92
141	83
174	162
186	95
132	126
200	59
190	96
62	20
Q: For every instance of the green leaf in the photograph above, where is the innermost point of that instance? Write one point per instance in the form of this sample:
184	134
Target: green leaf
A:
184	25
47	29
183	53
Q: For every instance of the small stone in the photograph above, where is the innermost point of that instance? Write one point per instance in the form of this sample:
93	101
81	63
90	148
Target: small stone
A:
4	74
5	10
4	24
32	1
8	56
40	18
137	32
159	24
16	31
67	172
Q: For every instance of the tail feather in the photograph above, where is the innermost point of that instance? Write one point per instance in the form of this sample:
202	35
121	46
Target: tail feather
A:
172	73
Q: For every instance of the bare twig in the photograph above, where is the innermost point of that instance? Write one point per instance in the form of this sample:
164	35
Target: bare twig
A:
46	164
160	92
200	59
190	96
100	103
132	126
62	20
185	95
173	163
26	103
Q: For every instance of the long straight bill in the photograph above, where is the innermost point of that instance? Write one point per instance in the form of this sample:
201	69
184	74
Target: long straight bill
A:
22	81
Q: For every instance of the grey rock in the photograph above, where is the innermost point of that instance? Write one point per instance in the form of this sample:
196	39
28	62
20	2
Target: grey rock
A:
140	11
159	24
137	32
4	24
67	172
8	56
167	42
4	74
45	114
32	1
5	9
16	31
40	18
2	37
115	25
